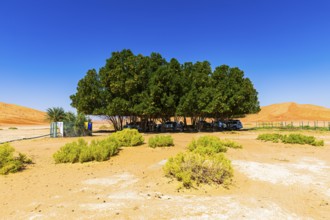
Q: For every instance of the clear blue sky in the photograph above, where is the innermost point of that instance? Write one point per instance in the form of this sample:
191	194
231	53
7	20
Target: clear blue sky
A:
47	46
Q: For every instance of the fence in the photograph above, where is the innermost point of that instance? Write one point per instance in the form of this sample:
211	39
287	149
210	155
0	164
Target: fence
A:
308	125
70	129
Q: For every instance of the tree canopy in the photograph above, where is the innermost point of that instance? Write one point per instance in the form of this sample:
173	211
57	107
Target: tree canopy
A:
150	88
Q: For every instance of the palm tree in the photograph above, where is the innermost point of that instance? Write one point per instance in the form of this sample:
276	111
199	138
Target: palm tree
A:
55	114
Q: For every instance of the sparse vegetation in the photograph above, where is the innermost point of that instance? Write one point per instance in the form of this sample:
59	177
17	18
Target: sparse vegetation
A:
9	163
80	151
203	163
275	138
12	128
291	139
104	127
280	127
128	137
161	141
231	144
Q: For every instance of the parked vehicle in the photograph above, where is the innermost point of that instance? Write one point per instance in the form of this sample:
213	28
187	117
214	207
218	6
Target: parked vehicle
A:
233	125
219	125
204	126
132	125
144	126
170	126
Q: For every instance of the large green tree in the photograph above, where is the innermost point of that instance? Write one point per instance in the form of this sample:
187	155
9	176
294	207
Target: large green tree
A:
148	87
89	97
165	89
233	95
196	90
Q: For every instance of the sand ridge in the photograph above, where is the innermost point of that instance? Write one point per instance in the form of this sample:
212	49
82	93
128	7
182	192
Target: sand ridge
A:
289	111
19	115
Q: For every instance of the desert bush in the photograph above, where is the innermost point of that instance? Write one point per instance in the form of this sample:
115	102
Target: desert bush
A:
80	151
301	139
207	145
161	141
9	163
275	138
193	169
231	144
291	139
70	152
102	150
128	137
12	128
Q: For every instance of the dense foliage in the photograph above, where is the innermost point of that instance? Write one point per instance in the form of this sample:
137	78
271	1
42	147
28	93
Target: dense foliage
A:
149	88
9	162
160	141
291	139
55	114
74	125
203	163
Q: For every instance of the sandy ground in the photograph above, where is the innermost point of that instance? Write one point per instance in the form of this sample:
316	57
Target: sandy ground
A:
22	132
271	181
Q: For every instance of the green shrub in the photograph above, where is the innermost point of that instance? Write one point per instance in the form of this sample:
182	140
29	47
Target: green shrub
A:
275	138
70	152
12	128
128	137
301	139
204	163
231	144
161	141
80	151
9	163
193	169
104	149
291	139
207	145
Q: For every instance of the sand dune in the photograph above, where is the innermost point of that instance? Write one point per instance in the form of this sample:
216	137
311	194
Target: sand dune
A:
290	111
19	115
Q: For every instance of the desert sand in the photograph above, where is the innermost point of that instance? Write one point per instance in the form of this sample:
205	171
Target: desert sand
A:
271	181
289	111
18	115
